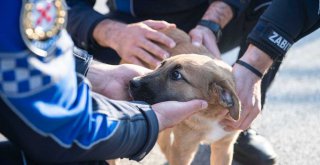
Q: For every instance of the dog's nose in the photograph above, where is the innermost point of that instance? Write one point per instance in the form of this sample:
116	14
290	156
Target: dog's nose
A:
135	83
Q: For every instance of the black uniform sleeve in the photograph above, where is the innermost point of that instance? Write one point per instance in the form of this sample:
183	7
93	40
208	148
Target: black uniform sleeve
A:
283	23
82	19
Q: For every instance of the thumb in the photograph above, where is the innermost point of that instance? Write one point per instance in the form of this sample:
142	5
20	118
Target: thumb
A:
196	37
213	48
171	113
185	109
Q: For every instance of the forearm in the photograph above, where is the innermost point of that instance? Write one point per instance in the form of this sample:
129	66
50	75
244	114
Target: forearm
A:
106	33
257	59
219	12
97	76
82	19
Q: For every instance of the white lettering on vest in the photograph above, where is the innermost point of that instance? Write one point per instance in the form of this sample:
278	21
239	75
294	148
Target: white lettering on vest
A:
279	41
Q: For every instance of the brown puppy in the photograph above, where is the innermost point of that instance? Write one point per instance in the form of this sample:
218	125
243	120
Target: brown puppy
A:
189	75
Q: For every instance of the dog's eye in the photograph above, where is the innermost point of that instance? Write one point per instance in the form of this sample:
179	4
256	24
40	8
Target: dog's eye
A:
176	75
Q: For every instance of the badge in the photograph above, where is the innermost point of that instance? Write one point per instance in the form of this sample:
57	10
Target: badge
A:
41	23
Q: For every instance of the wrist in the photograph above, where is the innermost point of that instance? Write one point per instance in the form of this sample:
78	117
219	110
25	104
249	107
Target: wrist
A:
214	27
106	32
257	59
219	12
97	74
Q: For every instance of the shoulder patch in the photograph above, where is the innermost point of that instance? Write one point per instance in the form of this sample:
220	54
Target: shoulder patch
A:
41	23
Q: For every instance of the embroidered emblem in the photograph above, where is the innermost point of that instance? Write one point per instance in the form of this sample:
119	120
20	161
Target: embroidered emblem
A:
41	23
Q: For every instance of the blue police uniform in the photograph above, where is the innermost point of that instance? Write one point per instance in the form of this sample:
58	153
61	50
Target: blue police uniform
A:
46	109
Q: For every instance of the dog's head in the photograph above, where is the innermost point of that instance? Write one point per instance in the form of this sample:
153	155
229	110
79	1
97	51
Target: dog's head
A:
186	77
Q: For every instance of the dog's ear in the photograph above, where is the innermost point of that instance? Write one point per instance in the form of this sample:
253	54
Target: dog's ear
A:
225	95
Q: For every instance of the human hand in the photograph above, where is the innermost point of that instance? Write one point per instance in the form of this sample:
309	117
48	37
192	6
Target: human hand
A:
218	12
201	35
248	87
135	43
171	113
112	81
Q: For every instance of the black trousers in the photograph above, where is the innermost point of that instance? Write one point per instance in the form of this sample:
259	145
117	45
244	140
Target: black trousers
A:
233	35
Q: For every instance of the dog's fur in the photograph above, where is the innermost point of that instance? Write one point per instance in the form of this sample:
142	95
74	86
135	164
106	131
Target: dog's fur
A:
203	78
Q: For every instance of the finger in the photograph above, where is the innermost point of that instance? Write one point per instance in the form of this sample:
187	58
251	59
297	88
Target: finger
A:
211	44
154	49
195	105
228	123
228	117
185	109
245	124
249	119
223	113
141	70
172	112
248	113
196	37
233	123
157	25
161	38
134	60
146	57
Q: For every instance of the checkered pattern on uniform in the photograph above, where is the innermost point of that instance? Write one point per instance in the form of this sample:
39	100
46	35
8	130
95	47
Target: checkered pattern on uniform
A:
17	76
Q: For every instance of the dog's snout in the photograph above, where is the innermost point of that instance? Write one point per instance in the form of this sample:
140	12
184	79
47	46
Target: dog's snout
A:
135	83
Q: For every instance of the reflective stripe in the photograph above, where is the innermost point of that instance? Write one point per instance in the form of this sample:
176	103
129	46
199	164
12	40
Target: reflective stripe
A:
132	8
319	8
262	5
24	160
